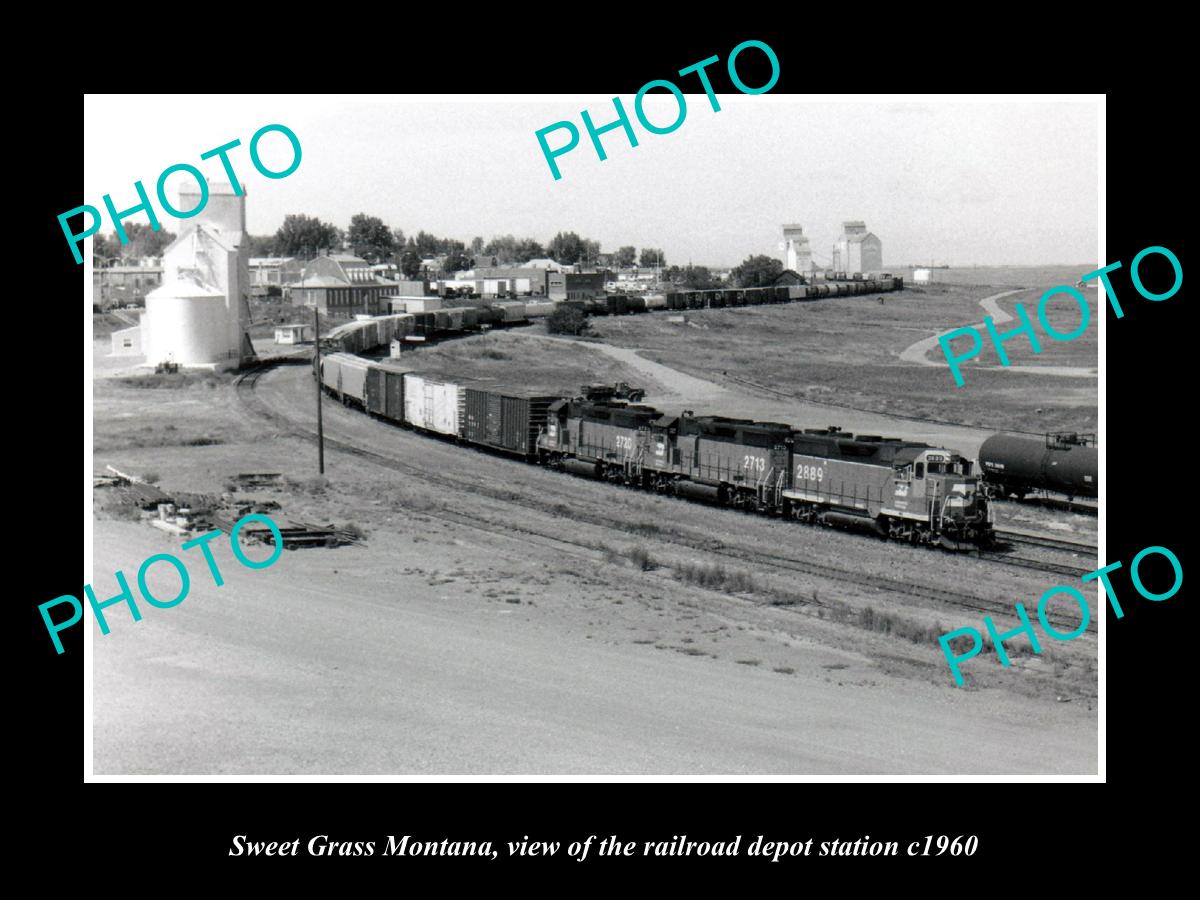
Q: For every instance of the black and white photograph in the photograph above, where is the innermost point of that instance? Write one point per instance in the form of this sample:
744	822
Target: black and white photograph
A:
527	436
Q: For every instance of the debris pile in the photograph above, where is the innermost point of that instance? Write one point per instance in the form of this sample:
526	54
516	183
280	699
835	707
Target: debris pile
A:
185	514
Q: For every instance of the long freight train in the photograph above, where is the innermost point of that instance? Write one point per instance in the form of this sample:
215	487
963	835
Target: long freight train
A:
367	333
900	489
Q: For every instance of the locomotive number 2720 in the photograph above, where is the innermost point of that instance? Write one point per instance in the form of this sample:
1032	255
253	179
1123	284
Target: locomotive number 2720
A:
624	443
810	473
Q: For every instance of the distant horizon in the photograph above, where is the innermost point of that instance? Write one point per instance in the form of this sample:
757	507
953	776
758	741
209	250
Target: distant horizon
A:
1084	267
941	179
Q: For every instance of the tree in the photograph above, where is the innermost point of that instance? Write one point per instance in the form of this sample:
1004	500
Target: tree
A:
261	245
305	236
757	271
476	246
428	245
143	241
397	239
627	257
457	259
105	247
503	247
652	257
527	249
410	262
370	238
591	251
567	247
566	319
693	278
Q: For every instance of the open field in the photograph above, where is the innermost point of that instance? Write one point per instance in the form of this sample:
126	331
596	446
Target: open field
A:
504	618
845	352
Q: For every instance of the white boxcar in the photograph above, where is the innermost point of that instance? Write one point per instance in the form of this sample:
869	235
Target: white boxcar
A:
432	405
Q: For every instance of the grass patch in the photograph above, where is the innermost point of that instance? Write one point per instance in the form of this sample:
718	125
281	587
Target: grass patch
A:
185	378
639	556
715	577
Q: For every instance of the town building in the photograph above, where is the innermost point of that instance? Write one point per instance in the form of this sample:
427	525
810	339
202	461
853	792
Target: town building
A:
340	284
575	285
268	274
126	284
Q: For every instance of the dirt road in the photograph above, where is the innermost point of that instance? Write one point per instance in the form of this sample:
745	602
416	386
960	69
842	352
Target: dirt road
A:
918	353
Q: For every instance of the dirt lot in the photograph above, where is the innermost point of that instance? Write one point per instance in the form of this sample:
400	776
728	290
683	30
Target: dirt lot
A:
503	618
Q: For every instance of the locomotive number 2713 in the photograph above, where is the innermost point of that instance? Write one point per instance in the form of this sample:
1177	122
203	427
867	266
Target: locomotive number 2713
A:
754	463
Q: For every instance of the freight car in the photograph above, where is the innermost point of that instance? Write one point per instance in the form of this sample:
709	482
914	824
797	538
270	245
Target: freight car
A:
899	489
1065	463
500	419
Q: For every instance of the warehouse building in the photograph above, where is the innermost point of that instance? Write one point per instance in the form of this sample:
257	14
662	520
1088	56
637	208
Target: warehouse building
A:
575	285
522	280
857	250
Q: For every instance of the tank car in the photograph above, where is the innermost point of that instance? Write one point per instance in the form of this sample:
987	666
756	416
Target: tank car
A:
1065	463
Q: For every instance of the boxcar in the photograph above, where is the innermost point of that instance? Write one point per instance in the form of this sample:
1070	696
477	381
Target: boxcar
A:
431	405
504	420
635	305
346	377
385	391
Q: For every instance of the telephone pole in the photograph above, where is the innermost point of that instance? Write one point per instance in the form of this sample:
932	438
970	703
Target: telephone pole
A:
320	424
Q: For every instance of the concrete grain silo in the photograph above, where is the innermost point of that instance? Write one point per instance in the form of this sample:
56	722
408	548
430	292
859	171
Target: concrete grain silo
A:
199	315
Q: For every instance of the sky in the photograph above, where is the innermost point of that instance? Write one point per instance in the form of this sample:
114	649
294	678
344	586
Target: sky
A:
962	183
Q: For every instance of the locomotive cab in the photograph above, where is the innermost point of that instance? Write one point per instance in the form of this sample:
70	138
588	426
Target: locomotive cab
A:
940	483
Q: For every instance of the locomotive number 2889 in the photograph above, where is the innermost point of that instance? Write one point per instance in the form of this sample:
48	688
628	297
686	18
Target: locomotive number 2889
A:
810	473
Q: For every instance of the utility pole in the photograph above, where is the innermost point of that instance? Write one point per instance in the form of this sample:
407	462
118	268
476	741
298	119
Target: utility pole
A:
320	424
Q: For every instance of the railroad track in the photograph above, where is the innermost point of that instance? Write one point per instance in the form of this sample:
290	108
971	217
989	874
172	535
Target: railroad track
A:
1057	503
1037	540
245	386
1036	564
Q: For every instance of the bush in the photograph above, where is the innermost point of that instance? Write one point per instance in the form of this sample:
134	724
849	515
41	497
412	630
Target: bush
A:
567	320
150	477
716	578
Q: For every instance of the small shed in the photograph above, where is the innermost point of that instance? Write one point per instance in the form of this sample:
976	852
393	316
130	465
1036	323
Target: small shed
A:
921	276
127	341
293	334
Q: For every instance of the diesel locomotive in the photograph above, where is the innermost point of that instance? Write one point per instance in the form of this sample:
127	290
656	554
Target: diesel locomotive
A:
904	490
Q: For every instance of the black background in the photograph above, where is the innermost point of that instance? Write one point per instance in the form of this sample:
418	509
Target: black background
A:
1150	485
